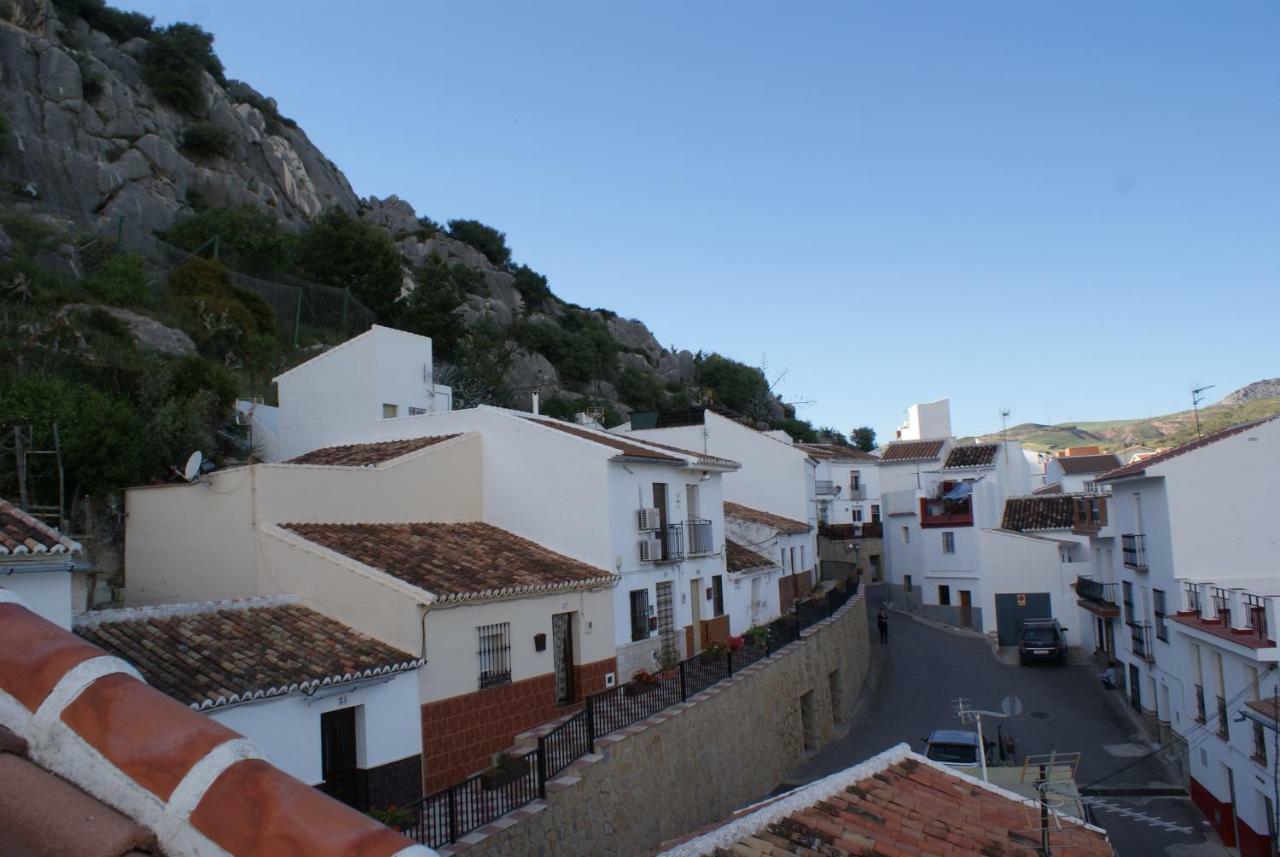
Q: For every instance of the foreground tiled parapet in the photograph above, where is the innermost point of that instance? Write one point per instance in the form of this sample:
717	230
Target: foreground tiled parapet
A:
175	781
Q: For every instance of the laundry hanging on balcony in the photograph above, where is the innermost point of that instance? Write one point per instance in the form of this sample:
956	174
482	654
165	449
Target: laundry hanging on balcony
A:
959	491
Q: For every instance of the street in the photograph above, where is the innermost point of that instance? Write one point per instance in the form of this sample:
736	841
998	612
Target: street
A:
910	691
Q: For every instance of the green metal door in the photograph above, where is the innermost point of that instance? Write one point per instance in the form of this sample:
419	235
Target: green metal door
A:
1013	608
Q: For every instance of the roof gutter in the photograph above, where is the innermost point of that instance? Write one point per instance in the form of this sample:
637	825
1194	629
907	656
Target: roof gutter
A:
44	567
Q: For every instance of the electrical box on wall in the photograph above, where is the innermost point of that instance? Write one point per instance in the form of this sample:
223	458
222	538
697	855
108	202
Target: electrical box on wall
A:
609	680
539	642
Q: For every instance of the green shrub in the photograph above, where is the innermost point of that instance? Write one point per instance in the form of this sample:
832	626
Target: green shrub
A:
642	390
532	285
249	239
30	237
120	26
735	385
190	375
107	324
486	239
264	315
120	280
205	138
580	346
218	322
344	251
174	63
428	309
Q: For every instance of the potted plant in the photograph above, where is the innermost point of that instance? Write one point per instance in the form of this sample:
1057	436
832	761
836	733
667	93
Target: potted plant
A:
642	681
714	652
736	643
506	769
756	636
396	817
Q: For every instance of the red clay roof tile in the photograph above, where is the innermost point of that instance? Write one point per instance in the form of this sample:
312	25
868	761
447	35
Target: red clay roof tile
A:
255	810
367	454
1135	467
742	558
22	534
1076	464
1039	512
836	452
912	450
979	455
787	526
605	439
36	654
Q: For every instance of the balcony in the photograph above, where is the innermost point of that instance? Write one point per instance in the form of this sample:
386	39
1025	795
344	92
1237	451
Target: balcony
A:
1097	597
848	532
1140	635
946	513
826	488
1216	612
698	537
856	492
1089	515
1133	546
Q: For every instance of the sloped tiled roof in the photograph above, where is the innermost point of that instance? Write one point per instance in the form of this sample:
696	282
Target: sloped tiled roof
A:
131	747
700	457
1039	512
739	557
627	448
1077	464
1136	467
1051	488
23	535
221	653
897	803
836	452
367	454
912	450
979	455
786	526
456	562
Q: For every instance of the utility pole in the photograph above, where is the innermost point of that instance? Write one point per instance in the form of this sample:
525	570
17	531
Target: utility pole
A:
1042	786
1196	399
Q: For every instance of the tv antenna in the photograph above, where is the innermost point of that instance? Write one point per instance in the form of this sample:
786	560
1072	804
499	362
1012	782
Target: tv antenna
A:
1196	399
1004	432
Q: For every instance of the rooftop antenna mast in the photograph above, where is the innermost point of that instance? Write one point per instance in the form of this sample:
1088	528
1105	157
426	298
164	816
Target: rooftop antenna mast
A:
1196	399
1004	433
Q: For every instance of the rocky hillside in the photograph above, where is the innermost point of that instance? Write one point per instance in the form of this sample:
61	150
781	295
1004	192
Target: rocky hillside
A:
1256	400
114	130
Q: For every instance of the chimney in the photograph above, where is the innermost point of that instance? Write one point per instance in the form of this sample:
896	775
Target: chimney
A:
535	403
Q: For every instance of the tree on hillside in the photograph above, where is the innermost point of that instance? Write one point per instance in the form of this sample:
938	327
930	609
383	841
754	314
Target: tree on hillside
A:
864	438
486	239
826	434
344	251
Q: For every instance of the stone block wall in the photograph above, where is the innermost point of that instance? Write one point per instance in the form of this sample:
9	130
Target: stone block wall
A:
696	762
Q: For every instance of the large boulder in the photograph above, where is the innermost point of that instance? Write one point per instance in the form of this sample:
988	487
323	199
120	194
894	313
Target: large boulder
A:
393	214
150	334
529	370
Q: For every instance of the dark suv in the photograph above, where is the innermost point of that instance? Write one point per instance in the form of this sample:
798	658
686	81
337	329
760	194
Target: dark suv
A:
1042	640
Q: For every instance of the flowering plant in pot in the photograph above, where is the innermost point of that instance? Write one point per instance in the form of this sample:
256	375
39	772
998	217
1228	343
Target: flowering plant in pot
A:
395	817
736	643
642	681
714	652
756	636
506	769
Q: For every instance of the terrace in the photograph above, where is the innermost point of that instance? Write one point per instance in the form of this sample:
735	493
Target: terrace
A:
1099	598
1231	614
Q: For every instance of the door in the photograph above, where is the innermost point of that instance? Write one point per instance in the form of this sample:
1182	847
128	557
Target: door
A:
660	503
966	608
666	622
1111	637
1135	688
343	780
695	605
562	650
944	596
1012	609
757	599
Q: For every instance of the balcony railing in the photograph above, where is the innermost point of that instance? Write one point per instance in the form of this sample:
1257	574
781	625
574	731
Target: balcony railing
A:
1141	636
856	492
1259	743
826	488
1224	728
946	513
672	540
1199	704
1256	609
1192	592
699	537
1104	594
1089	514
1221	604
1134	548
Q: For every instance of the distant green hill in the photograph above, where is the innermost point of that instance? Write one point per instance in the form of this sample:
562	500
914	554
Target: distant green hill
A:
1161	431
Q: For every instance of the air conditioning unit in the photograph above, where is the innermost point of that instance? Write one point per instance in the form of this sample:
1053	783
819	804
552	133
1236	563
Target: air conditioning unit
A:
650	550
648	519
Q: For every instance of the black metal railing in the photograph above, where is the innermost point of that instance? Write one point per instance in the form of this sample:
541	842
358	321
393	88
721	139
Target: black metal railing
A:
1221	605
837	569
444	816
1134	549
1256	608
699	537
857	492
1192	593
672	539
1141	636
1200	712
1224	728
1098	592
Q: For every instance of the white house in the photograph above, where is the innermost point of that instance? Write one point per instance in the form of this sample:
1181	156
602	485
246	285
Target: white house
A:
1075	470
788	545
1196	539
41	565
846	484
333	707
926	421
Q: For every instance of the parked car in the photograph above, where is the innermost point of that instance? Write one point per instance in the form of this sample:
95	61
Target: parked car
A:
1042	640
955	748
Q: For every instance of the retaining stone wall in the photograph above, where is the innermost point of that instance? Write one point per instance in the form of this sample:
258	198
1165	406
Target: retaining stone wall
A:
696	762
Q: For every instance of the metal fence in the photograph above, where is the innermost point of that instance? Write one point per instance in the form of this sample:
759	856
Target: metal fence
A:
912	601
442	817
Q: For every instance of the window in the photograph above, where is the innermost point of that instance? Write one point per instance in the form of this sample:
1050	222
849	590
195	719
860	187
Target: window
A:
1157	599
875	513
856	484
717	594
390	411
1128	603
944	595
416	412
857	516
906	535
948	542
793	560
1259	743
639	614
495	654
906	583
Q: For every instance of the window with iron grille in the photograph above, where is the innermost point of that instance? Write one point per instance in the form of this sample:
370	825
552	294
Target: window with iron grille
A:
1162	630
495	654
1128	602
639	614
1259	743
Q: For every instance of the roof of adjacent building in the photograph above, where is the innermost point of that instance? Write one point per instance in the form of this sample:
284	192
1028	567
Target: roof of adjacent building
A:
912	450
456	562
739	557
1077	464
116	755
627	448
1039	512
897	803
1051	488
836	452
23	535
367	454
978	455
1136	467
786	526
221	653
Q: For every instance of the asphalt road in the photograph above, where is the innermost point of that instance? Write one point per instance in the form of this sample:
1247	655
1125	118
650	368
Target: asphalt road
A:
911	689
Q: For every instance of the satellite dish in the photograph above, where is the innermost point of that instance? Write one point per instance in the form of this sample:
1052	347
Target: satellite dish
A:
192	470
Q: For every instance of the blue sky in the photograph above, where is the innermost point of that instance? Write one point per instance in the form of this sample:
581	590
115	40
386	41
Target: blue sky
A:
1069	210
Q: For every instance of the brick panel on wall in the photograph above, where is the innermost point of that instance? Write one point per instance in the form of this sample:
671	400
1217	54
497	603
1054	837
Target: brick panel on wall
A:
715	630
395	783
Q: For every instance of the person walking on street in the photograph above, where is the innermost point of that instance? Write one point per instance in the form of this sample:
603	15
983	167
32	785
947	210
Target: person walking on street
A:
882	621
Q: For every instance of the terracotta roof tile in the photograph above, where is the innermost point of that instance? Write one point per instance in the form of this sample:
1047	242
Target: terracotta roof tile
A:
912	450
367	454
1076	464
1135	467
1039	512
979	455
207	655
700	457
908	807
786	526
35	655
1051	488
739	557
612	441
836	452
456	561
21	534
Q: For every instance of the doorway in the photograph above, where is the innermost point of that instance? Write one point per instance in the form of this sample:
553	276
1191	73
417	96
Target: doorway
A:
966	608
944	596
1012	609
695	607
343	778
1135	688
660	503
666	622
562	650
